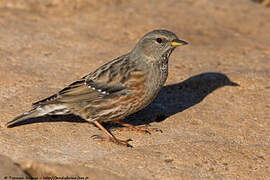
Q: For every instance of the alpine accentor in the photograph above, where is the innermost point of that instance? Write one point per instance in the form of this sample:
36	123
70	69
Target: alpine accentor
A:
117	89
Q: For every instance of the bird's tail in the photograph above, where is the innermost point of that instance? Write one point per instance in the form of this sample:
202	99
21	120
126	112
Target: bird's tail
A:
27	115
53	109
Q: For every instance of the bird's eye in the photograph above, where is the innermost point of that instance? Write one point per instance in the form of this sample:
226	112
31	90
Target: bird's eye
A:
159	40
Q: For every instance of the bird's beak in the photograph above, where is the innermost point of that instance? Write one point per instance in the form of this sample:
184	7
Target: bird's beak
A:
178	42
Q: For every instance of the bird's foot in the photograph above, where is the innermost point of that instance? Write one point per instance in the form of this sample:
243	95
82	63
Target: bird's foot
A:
141	129
114	140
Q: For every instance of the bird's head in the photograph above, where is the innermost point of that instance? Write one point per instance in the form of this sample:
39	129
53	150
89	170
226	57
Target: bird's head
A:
157	44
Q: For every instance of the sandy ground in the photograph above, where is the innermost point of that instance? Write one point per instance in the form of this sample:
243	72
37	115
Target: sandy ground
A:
211	129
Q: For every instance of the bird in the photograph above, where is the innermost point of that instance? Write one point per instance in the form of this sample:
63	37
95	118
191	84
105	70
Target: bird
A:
115	90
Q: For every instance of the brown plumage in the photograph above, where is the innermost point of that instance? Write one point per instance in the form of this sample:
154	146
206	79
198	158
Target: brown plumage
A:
116	89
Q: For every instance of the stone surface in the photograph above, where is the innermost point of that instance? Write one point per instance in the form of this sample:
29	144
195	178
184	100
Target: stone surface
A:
264	2
211	129
39	170
9	169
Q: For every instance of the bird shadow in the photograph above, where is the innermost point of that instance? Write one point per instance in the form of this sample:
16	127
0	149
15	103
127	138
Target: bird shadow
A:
171	99
175	98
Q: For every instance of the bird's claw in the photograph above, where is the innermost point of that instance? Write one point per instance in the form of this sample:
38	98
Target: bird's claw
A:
115	140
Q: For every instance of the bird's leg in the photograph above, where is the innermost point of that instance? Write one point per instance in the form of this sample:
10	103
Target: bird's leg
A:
111	136
142	129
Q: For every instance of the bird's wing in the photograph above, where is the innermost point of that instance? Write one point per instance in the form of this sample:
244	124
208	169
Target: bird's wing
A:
107	81
83	90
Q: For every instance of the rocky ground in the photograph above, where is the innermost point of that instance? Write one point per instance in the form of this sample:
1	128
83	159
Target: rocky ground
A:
212	129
